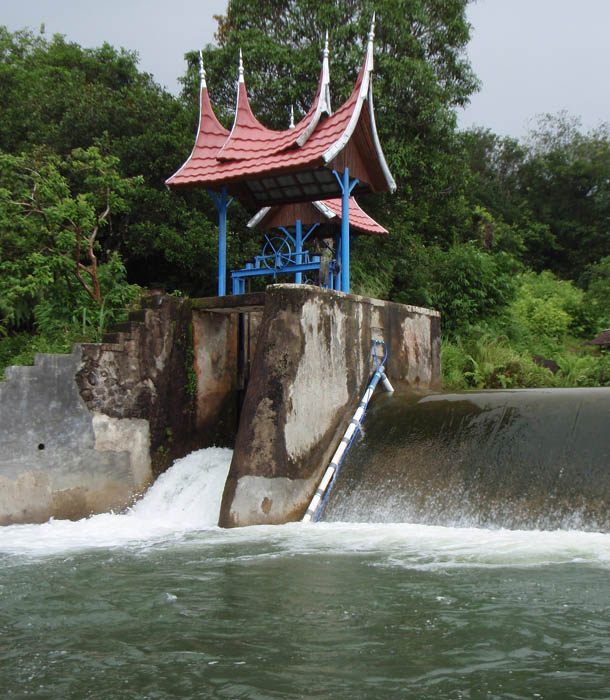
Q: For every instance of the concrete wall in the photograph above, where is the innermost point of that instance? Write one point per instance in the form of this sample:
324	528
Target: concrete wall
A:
82	433
145	370
311	367
220	373
56	457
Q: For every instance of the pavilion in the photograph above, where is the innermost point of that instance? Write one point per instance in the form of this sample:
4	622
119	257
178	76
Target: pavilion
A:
311	168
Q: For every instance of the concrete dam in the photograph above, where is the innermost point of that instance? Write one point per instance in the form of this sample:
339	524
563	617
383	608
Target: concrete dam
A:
277	375
87	432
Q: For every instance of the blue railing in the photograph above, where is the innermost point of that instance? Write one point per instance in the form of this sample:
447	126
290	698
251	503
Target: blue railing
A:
283	255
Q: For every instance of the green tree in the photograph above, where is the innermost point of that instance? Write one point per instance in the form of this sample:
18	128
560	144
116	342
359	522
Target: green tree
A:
466	283
596	282
566	184
49	234
56	93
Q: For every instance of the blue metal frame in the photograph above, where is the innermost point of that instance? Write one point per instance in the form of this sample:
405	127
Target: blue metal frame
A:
222	205
296	262
346	190
238	277
282	260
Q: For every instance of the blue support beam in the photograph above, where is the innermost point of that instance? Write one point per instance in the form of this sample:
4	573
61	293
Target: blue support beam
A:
238	277
346	190
298	277
222	205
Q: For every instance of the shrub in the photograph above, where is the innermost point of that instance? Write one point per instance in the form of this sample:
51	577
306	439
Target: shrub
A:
546	312
466	283
486	361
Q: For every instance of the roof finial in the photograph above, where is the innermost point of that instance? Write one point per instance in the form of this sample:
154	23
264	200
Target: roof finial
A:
201	70
241	67
372	29
291	125
325	96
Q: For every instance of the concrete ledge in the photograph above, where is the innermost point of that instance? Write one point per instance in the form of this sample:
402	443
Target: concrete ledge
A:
56	458
231	304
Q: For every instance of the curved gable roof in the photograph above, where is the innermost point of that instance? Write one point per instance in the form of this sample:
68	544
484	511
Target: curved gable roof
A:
261	166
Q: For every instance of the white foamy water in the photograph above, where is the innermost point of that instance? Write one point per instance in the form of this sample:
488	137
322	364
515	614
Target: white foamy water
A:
185	498
185	501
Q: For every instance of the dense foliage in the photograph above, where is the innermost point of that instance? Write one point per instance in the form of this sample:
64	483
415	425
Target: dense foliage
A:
507	238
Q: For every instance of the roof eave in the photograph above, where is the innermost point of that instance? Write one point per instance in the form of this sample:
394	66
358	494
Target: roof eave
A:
202	87
324	210
382	161
365	93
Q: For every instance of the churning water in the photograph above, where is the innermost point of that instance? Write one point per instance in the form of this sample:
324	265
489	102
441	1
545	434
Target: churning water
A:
160	603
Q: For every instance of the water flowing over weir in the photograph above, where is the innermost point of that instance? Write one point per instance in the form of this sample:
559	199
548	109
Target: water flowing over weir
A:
521	459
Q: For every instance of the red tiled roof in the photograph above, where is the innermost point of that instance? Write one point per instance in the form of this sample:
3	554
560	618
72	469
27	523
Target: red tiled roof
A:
211	135
248	136
359	220
252	152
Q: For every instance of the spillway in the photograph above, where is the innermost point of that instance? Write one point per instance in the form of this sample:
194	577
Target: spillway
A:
522	459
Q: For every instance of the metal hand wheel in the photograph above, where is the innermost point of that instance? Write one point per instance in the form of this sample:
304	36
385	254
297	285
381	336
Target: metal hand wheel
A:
277	252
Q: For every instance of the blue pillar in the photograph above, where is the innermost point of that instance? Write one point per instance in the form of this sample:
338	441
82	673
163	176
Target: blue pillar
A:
298	276
346	189
222	205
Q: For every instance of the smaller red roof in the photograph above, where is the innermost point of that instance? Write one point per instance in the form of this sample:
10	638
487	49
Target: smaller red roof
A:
602	339
321	211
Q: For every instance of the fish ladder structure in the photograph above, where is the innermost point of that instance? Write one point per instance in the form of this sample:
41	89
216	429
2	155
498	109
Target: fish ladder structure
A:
330	475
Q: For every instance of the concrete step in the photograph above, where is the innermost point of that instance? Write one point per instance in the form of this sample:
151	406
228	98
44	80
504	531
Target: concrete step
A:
17	372
44	359
151	302
111	347
122	327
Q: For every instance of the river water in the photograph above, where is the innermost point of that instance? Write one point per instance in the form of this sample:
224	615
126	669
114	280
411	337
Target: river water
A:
160	603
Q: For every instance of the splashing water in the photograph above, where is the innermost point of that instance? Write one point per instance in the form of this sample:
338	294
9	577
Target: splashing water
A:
184	502
185	498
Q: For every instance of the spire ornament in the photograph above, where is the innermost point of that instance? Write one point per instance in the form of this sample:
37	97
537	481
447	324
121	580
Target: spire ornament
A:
326	78
372	29
202	75
241	67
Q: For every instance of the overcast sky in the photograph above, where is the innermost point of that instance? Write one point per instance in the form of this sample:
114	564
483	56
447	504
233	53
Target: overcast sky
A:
532	56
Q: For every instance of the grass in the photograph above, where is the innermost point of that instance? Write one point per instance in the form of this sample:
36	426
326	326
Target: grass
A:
486	361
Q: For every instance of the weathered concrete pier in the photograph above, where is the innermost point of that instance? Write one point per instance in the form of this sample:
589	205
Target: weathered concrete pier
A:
312	363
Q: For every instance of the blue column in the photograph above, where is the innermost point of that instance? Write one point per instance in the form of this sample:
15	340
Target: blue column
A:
298	276
345	232
222	205
346	189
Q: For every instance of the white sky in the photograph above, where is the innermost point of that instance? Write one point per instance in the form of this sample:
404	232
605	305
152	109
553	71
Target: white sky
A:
538	56
532	56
